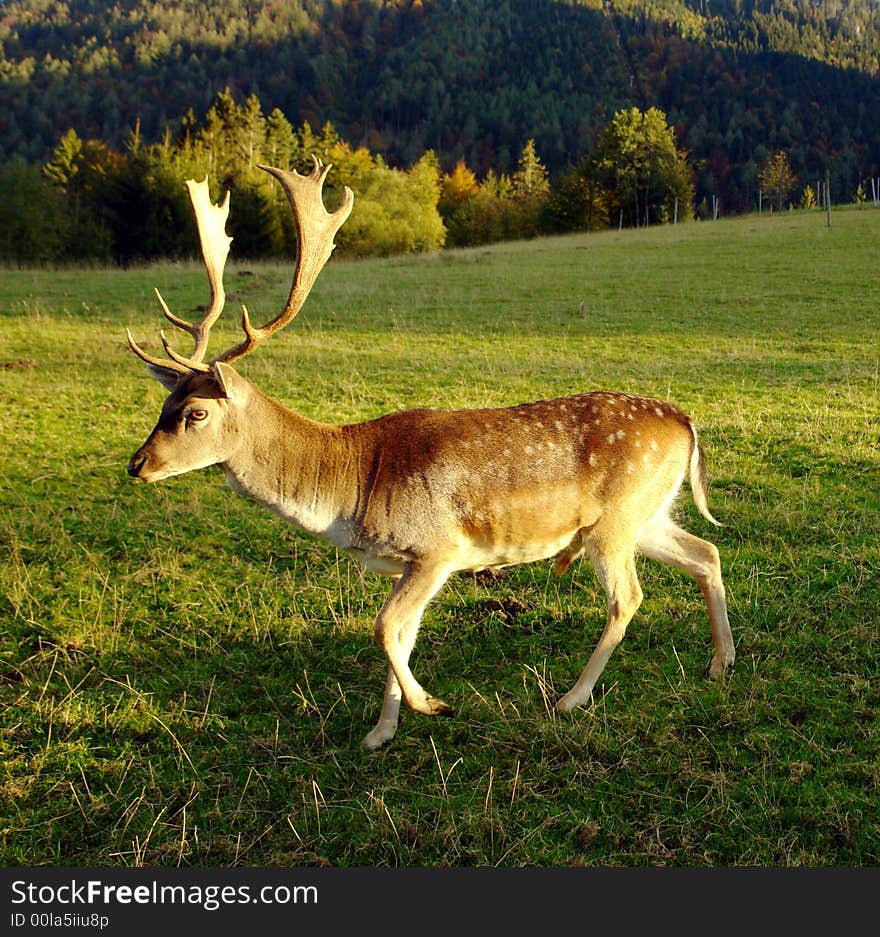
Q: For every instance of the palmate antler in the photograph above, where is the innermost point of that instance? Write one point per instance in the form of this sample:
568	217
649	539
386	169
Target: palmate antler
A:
315	227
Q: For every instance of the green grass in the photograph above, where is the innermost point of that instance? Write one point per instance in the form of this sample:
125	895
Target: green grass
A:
185	680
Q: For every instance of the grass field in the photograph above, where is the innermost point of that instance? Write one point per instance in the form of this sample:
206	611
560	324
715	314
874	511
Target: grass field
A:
185	680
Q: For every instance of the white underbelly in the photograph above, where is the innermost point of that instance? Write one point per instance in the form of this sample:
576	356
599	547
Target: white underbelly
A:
475	556
383	565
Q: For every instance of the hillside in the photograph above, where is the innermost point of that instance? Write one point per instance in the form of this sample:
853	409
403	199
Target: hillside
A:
468	78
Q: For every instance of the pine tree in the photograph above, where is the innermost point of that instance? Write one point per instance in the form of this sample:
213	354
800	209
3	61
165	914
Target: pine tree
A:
530	176
250	135
497	185
281	142
64	164
217	136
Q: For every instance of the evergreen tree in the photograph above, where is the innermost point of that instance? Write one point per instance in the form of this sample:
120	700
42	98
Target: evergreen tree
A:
217	136
82	171
64	164
255	224
146	209
281	146
530	176
407	76
249	133
497	185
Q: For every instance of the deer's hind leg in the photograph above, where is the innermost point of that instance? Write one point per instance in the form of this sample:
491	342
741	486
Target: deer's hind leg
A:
663	540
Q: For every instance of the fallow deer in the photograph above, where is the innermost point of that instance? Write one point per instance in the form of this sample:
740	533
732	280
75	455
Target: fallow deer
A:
420	494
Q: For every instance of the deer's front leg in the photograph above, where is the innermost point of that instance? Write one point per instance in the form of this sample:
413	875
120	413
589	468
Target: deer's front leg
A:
396	629
386	727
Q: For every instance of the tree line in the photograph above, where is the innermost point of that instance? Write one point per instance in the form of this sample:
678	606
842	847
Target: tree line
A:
90	201
469	80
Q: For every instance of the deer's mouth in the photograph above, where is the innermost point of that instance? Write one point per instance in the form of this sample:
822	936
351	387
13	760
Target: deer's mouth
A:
135	465
138	469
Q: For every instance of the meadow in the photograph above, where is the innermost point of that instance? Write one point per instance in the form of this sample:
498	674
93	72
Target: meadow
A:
185	680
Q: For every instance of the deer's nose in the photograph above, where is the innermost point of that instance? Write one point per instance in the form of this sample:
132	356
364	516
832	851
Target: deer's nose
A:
136	464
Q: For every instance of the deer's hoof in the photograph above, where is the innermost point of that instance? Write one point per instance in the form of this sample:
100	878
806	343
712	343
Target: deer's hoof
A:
379	736
720	665
431	706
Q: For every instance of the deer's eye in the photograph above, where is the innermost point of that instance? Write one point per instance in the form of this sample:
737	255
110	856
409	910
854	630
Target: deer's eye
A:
196	416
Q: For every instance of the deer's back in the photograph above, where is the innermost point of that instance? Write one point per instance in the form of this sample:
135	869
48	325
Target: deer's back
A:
507	485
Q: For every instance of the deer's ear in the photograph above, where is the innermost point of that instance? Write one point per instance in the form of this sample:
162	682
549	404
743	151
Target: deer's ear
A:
227	379
165	376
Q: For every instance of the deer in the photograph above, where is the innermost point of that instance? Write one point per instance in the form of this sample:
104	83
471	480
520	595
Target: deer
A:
419	494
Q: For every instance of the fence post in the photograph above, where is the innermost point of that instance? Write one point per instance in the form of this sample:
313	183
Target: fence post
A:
827	198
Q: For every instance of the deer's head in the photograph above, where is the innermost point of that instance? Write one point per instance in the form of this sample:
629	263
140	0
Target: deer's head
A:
199	422
197	426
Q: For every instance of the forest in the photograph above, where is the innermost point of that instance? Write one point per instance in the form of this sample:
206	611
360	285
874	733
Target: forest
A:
462	82
91	202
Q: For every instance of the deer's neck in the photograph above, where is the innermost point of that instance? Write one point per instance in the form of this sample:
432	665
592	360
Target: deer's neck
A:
295	467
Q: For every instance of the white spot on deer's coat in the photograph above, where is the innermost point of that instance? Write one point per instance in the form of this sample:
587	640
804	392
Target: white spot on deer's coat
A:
611	439
594	459
620	434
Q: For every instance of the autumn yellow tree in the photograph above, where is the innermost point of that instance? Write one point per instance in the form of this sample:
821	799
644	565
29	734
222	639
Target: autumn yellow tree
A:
777	179
458	186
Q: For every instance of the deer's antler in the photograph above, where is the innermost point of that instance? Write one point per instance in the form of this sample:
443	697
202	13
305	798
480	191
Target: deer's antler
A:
316	229
211	223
